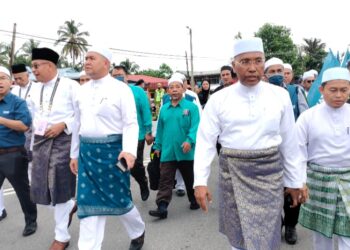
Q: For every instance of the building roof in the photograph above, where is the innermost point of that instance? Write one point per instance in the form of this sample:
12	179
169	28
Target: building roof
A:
148	79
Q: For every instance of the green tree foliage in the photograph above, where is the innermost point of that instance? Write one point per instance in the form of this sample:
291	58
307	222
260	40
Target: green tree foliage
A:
164	71
278	43
75	44
130	66
314	53
5	50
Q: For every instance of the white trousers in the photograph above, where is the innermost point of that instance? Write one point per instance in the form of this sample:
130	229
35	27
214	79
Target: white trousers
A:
30	166
61	212
324	243
233	248
2	205
92	229
180	184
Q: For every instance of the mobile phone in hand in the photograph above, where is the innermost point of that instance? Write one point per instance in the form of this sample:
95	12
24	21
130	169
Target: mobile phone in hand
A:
122	165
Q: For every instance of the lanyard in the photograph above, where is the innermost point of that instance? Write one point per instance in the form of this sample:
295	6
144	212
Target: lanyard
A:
28	89
51	98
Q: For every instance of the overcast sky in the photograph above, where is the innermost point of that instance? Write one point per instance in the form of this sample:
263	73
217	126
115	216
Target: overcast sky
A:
160	26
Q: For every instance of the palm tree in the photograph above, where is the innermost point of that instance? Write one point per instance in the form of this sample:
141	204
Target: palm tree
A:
28	46
5	53
75	42
314	53
131	67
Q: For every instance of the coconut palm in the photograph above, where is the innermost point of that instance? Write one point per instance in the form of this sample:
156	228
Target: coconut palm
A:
28	46
74	41
5	54
130	66
314	53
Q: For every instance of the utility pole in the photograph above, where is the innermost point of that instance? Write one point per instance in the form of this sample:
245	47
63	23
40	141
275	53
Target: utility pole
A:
188	73
12	55
191	50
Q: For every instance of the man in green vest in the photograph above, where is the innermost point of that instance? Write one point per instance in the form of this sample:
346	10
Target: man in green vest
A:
158	95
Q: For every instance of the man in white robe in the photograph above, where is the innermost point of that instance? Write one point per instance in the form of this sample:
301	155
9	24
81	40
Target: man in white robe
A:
324	141
255	124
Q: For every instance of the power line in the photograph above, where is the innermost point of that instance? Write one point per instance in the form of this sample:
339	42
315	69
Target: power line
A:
114	50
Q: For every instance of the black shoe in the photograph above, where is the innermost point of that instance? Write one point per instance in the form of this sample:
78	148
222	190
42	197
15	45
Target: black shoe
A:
4	215
161	214
161	211
290	235
136	244
180	192
194	206
30	228
144	192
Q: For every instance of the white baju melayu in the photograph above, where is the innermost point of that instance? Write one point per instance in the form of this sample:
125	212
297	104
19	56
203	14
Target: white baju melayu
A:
106	107
24	93
324	139
248	118
62	111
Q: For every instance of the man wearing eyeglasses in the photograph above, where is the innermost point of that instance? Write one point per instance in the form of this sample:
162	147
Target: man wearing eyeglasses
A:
255	124
52	103
22	90
308	80
15	119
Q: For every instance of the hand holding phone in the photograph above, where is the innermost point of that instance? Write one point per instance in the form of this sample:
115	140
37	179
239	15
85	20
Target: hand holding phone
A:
122	165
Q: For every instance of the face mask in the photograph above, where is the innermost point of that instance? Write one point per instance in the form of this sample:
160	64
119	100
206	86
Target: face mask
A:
120	78
276	80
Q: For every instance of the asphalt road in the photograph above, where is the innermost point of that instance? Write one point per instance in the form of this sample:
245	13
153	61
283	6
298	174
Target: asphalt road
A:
183	229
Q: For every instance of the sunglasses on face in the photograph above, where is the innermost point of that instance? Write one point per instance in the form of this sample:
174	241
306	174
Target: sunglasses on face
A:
310	81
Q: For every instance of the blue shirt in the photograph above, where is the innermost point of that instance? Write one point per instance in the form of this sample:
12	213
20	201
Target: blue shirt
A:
14	108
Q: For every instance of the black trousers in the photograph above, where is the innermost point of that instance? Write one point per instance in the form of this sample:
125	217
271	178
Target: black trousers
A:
291	215
14	167
138	171
167	177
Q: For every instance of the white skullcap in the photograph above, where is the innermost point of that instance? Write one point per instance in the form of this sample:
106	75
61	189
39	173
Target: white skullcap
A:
5	71
176	78
273	61
179	75
83	73
308	74
287	66
102	51
336	73
314	72
241	46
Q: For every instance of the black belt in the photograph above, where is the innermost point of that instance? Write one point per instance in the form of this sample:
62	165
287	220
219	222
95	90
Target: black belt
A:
11	150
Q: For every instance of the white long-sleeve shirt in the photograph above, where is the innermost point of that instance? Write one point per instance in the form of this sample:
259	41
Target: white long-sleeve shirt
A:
22	92
324	136
106	106
62	106
248	118
196	99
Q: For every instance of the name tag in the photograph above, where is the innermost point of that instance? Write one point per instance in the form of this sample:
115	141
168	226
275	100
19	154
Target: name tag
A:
41	127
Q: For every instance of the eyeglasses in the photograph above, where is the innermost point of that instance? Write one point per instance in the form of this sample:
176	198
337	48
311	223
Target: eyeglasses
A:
4	78
37	65
310	81
248	62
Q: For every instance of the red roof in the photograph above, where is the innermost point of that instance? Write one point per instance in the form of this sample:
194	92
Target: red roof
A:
149	79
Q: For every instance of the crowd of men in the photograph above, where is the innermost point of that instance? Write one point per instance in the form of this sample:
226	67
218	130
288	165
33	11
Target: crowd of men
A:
73	146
